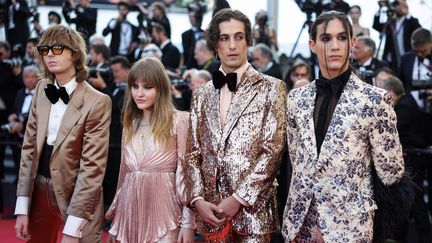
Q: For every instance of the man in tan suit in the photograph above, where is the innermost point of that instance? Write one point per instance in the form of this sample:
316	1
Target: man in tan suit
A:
236	139
65	147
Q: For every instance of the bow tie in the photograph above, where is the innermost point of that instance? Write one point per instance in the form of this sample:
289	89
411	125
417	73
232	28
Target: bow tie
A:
219	80
28	93
333	86
54	94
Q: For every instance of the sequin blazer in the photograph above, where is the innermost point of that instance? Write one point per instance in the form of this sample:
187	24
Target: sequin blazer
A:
242	157
362	133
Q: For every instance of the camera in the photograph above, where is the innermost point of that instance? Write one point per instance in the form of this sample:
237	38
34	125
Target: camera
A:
366	75
105	73
67	6
34	14
180	83
199	8
261	18
14	62
6	127
420	84
309	7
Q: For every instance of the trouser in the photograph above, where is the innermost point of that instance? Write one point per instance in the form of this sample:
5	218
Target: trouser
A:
228	235
45	220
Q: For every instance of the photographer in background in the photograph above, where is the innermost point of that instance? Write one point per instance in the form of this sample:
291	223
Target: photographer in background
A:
263	61
416	66
82	15
170	53
100	75
194	34
53	19
120	67
337	5
298	76
13	131
363	61
263	33
17	120
124	35
157	14
30	57
16	26
9	81
414	128
397	30
199	78
9	84
205	57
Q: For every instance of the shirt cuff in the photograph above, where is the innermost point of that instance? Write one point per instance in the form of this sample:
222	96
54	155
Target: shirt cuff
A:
74	226
21	207
112	24
194	200
240	200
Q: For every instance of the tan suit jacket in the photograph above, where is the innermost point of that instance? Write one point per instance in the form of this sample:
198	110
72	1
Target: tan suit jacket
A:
243	156
79	156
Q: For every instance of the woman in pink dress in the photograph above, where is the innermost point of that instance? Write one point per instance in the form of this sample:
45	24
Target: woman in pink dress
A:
150	202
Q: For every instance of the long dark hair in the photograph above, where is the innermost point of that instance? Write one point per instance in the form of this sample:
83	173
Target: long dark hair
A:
324	19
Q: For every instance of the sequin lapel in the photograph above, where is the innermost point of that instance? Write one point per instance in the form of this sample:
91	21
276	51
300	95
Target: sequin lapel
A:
246	91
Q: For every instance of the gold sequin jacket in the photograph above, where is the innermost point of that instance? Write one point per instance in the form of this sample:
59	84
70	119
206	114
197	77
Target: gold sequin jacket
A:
243	156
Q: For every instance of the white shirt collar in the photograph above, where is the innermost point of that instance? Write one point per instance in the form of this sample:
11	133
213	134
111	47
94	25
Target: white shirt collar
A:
164	43
69	86
368	62
240	71
27	91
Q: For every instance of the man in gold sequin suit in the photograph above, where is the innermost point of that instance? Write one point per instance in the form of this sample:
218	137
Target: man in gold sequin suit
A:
236	139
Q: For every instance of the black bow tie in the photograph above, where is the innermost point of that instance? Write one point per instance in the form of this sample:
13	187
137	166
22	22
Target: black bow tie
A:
333	86
54	94
219	80
28	93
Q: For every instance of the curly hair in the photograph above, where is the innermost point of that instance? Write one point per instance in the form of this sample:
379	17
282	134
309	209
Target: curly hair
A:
212	32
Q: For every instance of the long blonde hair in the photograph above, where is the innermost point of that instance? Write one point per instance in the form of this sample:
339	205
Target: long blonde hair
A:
149	70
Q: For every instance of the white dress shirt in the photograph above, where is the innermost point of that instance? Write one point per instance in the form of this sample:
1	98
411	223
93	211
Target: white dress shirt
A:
125	35
420	72
27	101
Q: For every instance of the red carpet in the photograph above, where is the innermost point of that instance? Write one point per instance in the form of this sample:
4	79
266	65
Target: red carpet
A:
7	232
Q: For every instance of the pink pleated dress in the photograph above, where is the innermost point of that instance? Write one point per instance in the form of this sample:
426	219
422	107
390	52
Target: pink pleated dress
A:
150	202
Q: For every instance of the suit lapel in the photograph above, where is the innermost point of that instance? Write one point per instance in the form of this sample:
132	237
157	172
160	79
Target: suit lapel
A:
72	114
240	100
43	116
345	114
305	112
213	112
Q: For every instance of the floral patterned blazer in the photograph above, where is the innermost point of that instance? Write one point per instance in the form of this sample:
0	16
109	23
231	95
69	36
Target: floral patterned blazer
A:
362	133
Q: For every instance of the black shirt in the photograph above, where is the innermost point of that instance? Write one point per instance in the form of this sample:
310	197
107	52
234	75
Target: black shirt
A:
327	97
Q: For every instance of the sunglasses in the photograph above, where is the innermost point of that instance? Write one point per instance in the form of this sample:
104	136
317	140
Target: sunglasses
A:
55	49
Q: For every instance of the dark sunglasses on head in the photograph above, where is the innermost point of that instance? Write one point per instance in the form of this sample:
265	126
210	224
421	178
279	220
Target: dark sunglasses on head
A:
55	49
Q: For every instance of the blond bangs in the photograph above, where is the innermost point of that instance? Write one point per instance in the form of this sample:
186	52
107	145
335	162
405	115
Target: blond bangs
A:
150	70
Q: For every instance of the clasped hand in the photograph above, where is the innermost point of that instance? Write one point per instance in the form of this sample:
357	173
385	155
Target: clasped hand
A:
218	215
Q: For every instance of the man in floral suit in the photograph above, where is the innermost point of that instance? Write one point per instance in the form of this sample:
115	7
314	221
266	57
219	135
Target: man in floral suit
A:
339	129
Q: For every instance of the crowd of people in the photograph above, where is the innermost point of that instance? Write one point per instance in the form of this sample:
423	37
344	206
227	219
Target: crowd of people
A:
156	145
